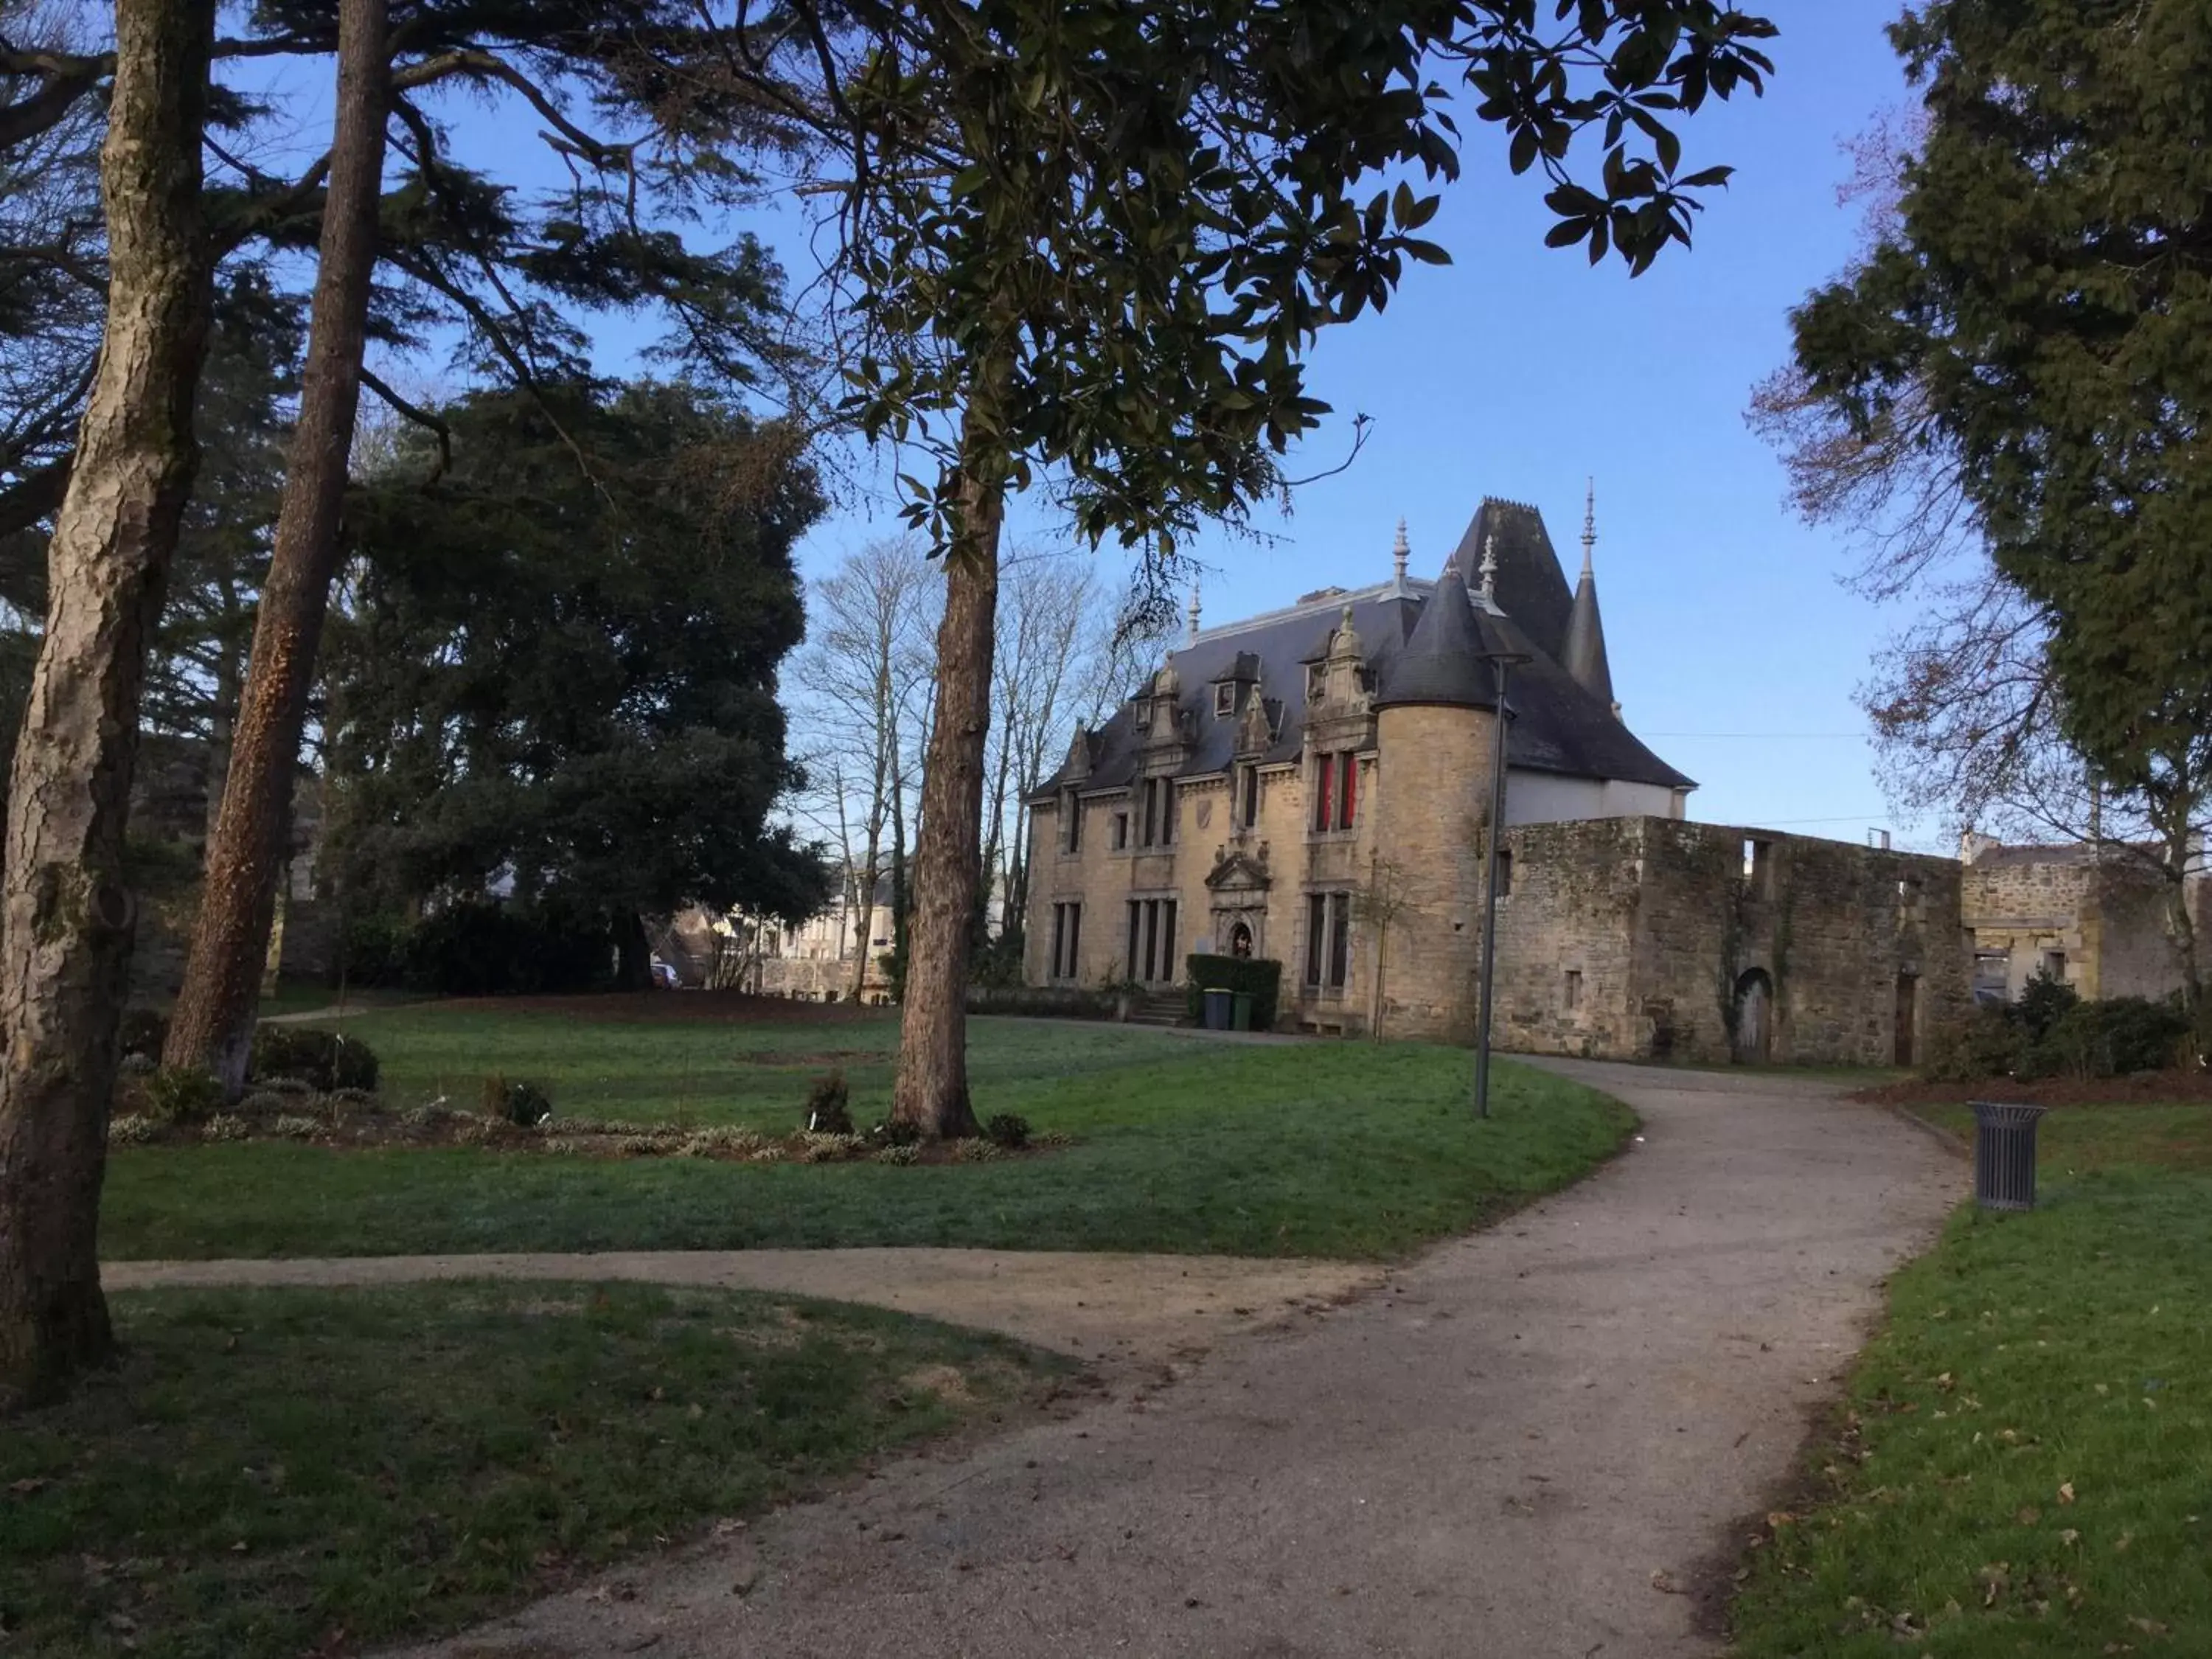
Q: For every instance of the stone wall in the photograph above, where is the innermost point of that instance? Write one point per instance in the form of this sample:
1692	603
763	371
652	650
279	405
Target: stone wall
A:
1646	938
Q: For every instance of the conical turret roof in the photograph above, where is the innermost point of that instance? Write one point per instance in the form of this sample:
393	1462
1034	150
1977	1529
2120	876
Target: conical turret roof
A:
1443	664
1584	658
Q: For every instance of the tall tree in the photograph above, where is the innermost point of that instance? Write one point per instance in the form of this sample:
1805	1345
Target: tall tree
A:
570	682
2029	326
1092	239
66	949
212	1024
861	682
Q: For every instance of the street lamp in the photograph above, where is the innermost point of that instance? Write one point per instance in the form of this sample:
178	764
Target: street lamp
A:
1501	661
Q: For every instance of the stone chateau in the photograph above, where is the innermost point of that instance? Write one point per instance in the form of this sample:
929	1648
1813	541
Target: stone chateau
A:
1313	786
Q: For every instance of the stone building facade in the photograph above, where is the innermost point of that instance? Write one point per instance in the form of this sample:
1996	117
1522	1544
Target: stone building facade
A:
1315	785
2092	916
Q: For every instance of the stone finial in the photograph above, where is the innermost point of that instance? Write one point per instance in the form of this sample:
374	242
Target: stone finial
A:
1193	607
1490	571
1590	522
1400	552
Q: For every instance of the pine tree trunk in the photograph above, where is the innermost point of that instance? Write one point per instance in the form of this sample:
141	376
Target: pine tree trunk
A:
212	1025
932	1089
65	954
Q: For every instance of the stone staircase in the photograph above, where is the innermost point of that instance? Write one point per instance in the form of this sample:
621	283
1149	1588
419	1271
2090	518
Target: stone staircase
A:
1164	1007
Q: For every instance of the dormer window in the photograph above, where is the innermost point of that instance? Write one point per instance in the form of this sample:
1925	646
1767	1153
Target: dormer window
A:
1224	699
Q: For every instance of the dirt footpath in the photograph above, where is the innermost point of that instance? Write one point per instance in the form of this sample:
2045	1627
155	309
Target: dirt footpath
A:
1116	1311
1534	1443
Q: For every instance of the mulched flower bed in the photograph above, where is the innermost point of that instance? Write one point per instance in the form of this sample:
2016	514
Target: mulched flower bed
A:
351	1118
2136	1088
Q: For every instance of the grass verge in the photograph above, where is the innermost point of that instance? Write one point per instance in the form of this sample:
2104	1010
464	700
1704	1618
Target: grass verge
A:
281	1472
1344	1149
2025	1466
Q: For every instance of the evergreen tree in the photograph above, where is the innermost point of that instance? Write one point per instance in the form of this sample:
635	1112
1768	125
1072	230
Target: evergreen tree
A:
2034	316
570	680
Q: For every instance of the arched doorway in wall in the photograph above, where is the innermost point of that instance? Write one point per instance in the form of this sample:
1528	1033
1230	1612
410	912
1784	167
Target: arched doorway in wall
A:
1754	1017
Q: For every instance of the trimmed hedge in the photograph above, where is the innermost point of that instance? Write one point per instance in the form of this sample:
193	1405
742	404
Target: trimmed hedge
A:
479	949
1260	976
1041	1001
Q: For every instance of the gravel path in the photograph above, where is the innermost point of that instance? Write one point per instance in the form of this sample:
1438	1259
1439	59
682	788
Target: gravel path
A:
1532	1441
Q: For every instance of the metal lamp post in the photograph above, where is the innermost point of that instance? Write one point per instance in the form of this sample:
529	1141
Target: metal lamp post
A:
1501	663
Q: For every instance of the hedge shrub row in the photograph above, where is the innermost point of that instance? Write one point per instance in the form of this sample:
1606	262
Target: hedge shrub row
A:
1261	978
479	949
2051	1032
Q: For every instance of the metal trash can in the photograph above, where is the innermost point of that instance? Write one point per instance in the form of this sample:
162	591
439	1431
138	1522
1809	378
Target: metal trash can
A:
2004	1154
1240	1012
1217	1010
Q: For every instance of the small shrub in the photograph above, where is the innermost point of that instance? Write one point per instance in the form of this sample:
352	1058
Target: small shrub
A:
428	1116
265	1102
1989	1042
829	1106
906	1152
975	1151
324	1060
895	1131
2044	1001
293	1126
132	1129
180	1094
296	1088
361	1099
226	1126
1010	1130
831	1147
143	1032
524	1104
768	1154
136	1064
640	1146
718	1143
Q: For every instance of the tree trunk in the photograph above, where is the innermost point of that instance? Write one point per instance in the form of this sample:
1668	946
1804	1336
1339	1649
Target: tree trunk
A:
213	1024
633	953
932	1089
865	928
65	951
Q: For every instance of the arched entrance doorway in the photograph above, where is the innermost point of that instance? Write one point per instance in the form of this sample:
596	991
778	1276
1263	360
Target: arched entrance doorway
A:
1754	1017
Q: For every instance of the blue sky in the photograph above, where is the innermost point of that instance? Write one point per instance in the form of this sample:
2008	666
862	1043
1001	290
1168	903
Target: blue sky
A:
1519	371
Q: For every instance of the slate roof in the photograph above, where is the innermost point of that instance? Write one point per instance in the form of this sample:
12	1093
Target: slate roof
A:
1560	726
1584	657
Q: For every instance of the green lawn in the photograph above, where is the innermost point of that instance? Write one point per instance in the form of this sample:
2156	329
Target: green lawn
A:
279	1471
2035	1424
1311	1148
